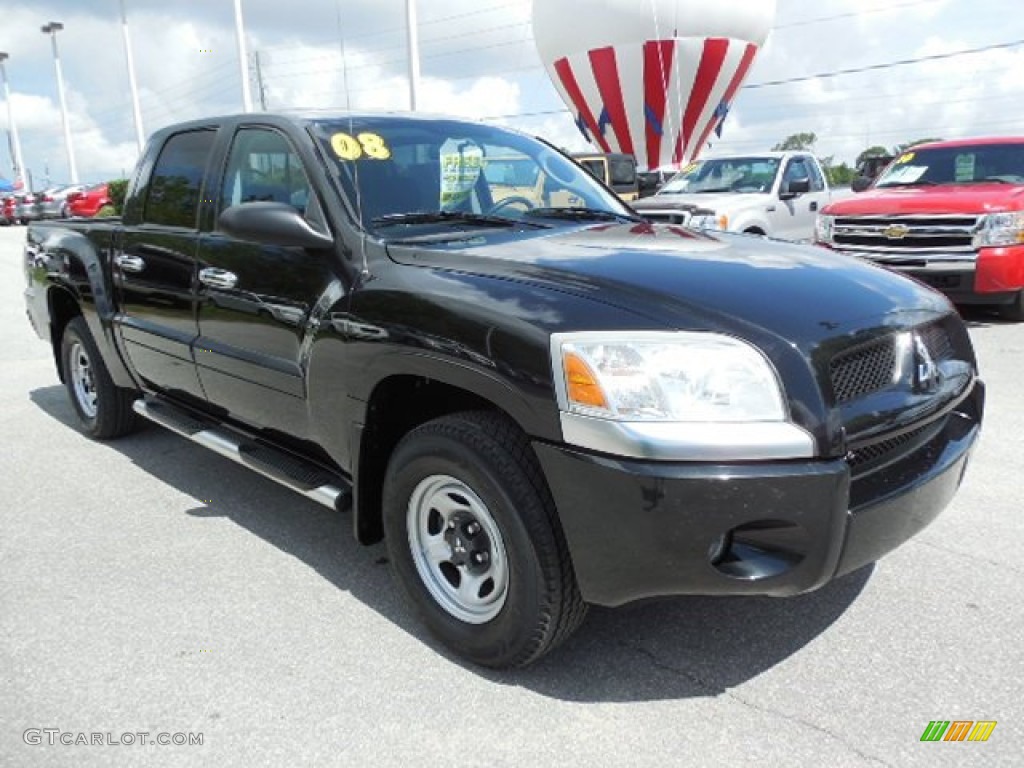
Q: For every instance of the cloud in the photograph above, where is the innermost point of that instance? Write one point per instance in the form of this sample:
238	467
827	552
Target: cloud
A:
479	60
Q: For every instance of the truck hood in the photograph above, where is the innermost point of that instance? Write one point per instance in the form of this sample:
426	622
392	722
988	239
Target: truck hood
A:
679	278
718	202
956	198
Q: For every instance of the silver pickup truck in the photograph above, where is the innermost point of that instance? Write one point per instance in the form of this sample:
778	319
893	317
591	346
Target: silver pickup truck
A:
770	193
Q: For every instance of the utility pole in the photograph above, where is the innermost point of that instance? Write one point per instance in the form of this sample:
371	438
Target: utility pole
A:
243	59
261	89
414	51
140	135
19	162
52	29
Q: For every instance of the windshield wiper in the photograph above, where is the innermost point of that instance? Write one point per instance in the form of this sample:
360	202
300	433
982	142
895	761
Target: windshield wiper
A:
440	217
713	189
581	214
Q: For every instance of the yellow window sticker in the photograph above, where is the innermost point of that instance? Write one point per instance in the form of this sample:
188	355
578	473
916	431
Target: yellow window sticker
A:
348	147
461	165
906	157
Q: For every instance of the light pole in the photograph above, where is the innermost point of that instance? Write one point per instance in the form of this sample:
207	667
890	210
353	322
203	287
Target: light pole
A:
52	29
243	58
414	51
140	136
19	162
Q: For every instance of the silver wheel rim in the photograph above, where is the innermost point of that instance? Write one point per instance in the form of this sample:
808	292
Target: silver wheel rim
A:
457	549
82	381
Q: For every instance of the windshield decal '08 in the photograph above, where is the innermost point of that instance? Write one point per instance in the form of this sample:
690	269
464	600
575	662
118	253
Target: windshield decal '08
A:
371	145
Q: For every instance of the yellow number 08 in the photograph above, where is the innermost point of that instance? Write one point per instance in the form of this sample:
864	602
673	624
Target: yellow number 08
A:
352	148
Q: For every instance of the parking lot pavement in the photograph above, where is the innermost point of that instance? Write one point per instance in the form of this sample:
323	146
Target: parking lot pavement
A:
147	585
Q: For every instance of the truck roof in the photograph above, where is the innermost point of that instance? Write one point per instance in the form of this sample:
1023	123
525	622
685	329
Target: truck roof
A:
980	140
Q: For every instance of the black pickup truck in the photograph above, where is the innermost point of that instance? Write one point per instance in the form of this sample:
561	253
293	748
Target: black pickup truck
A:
539	400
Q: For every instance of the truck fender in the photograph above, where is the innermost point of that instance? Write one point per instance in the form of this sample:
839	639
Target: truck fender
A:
78	271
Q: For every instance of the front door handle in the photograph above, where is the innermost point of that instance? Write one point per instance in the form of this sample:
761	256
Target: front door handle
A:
218	278
129	263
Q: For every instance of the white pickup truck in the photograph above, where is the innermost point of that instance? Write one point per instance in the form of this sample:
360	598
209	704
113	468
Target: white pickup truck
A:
769	193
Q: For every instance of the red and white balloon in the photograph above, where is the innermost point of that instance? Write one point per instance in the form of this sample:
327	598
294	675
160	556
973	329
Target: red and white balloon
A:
651	78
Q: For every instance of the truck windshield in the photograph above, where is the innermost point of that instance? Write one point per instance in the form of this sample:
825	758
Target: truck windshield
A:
968	164
390	166
732	174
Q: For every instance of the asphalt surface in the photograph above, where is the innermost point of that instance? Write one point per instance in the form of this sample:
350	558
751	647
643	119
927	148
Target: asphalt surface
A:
148	585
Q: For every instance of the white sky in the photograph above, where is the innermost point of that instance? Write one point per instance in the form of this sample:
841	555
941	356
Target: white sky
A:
478	60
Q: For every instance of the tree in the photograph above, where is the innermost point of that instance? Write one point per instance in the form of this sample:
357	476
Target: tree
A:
840	175
797	141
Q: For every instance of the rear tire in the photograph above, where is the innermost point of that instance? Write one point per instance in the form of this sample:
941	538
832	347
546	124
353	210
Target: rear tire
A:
104	410
475	543
1014	311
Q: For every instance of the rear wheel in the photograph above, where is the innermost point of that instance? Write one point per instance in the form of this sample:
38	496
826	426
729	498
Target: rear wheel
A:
1014	311
475	542
104	410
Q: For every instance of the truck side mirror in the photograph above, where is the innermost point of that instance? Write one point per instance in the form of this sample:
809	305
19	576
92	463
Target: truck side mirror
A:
271	224
860	183
794	187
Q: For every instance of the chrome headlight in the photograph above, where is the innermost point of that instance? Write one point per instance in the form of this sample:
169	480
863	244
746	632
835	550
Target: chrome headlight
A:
672	395
824	228
1000	229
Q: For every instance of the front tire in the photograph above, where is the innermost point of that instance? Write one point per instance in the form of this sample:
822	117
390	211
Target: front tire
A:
104	410
475	543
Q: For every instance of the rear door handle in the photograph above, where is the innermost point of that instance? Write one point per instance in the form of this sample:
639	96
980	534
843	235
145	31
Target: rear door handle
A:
129	263
218	278
814	206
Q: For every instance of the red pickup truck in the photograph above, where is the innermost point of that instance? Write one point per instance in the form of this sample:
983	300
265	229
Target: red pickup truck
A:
950	214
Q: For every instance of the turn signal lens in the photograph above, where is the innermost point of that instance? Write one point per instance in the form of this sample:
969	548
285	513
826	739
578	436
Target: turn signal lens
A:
581	383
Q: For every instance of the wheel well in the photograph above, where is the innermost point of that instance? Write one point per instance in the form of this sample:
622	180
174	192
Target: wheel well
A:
63	307
754	231
398	405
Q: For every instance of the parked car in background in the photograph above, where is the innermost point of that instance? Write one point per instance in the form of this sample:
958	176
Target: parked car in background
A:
88	202
52	203
949	213
772	193
25	207
650	182
616	170
7	209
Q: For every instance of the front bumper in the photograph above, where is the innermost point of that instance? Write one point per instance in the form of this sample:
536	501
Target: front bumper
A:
639	529
990	276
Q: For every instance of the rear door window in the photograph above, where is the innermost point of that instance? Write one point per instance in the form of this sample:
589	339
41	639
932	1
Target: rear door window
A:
176	184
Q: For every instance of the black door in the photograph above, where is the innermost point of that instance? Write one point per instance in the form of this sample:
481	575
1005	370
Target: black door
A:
256	300
155	268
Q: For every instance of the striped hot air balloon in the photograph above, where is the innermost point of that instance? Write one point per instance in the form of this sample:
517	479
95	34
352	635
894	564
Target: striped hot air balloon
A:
651	78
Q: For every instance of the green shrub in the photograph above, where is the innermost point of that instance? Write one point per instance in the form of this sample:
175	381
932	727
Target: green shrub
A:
106	210
117	189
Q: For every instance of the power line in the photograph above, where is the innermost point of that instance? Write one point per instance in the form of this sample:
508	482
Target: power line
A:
888	65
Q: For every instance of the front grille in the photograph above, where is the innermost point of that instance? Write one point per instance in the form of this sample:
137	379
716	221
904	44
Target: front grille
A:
667	216
874	455
876	365
910	236
936	338
864	369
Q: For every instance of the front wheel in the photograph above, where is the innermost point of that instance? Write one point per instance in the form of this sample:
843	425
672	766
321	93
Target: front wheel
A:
104	409
475	542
